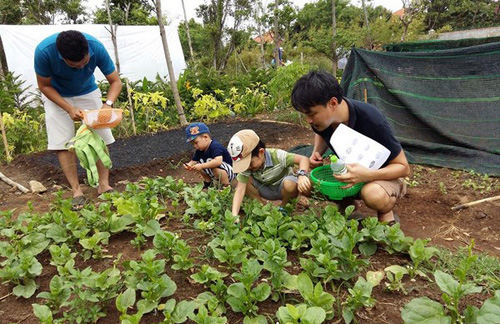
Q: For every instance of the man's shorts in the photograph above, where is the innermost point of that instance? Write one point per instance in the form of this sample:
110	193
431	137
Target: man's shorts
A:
224	166
60	126
272	192
394	188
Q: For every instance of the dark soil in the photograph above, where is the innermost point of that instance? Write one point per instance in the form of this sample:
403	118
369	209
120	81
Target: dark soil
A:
425	212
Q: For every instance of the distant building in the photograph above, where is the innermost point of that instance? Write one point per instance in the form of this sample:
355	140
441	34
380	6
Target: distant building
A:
471	33
267	38
400	13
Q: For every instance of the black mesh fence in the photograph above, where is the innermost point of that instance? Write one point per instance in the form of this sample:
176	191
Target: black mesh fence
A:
438	45
444	106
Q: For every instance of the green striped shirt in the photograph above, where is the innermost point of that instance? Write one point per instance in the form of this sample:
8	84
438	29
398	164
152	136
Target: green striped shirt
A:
278	164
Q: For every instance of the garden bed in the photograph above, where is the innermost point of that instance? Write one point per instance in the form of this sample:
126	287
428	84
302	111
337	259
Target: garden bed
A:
425	213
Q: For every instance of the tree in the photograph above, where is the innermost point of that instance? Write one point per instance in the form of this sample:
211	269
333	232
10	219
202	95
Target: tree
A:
173	81
47	12
214	14
286	14
200	40
411	8
187	31
10	12
127	12
334	43
460	14
214	17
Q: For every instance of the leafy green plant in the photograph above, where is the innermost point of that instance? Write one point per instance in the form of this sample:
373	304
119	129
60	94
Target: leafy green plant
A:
422	308
314	296
43	313
209	310
123	302
58	295
176	312
274	257
21	270
92	245
395	274
419	254
148	276
182	261
89	293
165	243
229	250
242	297
207	274
290	314
360	296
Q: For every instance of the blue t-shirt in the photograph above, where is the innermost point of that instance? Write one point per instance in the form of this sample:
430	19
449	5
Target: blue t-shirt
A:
69	81
369	121
214	150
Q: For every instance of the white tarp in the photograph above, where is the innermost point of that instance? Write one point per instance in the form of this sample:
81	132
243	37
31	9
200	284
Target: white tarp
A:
140	49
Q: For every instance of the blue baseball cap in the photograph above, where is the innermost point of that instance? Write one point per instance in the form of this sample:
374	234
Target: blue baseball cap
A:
196	129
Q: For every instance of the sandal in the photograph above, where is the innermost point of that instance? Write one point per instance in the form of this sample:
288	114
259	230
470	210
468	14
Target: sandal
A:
108	191
357	216
394	221
78	202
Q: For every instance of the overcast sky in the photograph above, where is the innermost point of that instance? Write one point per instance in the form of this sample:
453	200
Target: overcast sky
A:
173	8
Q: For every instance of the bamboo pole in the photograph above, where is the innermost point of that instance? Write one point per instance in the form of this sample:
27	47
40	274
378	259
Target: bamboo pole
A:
3	71
365	94
4	137
476	202
276	36
130	105
13	183
173	81
112	31
187	32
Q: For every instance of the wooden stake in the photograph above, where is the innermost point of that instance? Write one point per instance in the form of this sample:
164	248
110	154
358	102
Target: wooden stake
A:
4	137
13	183
130	105
473	203
365	93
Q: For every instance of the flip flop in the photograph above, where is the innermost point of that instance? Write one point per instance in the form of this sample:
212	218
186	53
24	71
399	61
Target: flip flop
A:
357	216
78	202
396	220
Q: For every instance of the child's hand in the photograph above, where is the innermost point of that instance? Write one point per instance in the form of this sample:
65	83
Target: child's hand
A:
197	167
304	184
187	167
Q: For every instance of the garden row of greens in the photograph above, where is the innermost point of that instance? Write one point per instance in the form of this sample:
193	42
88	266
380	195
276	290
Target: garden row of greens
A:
333	254
206	95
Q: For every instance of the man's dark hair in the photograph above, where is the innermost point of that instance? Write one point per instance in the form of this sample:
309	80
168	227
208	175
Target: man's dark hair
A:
260	145
72	45
315	88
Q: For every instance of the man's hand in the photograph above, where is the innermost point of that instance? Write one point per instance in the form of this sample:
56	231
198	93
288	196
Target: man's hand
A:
76	114
316	160
304	184
356	173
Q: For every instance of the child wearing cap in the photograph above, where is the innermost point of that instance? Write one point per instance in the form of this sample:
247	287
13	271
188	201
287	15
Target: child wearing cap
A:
211	159
265	173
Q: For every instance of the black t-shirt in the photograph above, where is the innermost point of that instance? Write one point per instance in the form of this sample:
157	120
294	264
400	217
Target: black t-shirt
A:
369	121
214	150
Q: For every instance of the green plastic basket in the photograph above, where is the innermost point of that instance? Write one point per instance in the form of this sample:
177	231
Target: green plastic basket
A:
323	178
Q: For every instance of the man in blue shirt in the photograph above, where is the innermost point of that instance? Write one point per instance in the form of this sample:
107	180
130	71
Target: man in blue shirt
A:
64	66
